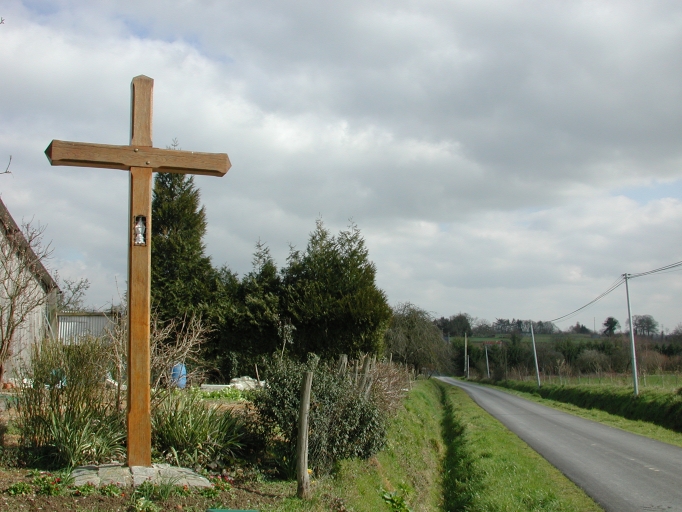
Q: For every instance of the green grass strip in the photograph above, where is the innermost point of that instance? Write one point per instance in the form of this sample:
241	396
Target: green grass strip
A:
511	476
660	407
409	466
640	427
445	453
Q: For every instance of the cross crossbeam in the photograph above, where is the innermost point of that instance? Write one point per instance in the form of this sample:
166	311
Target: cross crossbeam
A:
83	154
141	159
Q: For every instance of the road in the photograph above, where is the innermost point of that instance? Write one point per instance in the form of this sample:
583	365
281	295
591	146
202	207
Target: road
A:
623	472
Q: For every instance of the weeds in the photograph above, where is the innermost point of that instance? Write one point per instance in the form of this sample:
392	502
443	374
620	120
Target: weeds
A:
49	485
145	490
145	505
222	482
110	490
228	394
209	492
396	500
84	490
19	489
166	488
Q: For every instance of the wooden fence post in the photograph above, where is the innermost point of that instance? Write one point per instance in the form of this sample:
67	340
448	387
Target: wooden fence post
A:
343	363
302	444
365	373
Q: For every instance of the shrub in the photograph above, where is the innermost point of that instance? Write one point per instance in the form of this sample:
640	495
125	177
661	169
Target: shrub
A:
592	361
187	432
342	422
65	411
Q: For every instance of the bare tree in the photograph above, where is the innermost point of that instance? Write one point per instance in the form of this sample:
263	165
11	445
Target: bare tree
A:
414	339
72	296
171	343
25	285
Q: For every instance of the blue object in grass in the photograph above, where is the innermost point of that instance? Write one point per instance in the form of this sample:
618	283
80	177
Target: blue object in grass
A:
179	375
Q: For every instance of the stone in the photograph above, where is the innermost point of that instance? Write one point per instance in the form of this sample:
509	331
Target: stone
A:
214	387
123	476
245	383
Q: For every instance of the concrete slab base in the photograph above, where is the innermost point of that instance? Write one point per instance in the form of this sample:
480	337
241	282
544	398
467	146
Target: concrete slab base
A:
123	476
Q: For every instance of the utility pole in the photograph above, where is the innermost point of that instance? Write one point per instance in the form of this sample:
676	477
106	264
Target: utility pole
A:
487	364
632	339
535	353
466	358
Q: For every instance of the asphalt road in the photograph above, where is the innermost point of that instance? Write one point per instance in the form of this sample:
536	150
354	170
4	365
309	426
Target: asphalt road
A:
621	471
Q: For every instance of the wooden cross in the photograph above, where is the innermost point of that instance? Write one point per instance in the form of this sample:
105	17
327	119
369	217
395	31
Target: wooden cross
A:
141	159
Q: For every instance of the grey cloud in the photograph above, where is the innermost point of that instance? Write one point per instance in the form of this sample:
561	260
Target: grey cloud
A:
504	122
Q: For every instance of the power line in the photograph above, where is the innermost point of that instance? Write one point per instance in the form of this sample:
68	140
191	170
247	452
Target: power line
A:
615	285
667	268
656	270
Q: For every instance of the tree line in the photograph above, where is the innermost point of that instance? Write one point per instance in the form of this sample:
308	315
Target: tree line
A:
324	300
462	323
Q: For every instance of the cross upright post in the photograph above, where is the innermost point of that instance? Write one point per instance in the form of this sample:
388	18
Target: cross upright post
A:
140	158
139	426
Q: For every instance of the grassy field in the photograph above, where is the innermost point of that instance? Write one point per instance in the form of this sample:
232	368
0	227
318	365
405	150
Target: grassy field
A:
667	381
539	338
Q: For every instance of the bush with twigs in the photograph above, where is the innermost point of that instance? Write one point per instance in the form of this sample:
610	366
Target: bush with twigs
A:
66	413
347	416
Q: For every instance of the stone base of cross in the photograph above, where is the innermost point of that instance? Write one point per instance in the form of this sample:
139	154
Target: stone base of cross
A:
140	159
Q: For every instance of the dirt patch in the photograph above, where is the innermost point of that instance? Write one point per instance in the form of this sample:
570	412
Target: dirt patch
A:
241	495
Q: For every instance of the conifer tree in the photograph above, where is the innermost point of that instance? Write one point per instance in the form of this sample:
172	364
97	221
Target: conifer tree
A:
332	297
183	279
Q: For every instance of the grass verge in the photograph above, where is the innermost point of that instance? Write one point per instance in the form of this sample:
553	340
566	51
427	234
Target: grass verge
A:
641	427
443	453
446	453
661	407
510	475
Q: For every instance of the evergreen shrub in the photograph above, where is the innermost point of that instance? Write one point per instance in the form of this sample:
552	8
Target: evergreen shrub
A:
343	423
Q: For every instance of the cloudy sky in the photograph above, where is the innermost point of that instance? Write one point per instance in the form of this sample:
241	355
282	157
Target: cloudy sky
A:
502	158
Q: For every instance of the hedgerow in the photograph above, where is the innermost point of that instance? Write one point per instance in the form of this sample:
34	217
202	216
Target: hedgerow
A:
656	406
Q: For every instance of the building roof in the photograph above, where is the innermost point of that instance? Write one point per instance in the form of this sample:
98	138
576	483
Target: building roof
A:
8	225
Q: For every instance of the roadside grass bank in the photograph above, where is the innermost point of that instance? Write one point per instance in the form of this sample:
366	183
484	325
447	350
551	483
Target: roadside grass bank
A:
640	427
446	453
506	475
406	474
663	408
